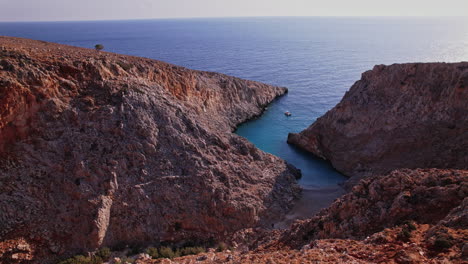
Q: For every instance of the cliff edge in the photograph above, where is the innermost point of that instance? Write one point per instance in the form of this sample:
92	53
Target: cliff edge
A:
100	149
399	116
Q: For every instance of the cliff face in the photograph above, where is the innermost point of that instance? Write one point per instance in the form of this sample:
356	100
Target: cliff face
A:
398	116
411	120
383	247
426	196
99	149
407	216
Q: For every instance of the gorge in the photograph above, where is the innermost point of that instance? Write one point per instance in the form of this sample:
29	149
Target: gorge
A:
102	150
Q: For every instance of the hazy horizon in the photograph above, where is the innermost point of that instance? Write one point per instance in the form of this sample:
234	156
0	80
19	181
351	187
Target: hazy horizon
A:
89	10
227	17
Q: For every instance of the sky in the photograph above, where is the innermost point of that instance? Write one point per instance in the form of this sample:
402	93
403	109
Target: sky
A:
62	10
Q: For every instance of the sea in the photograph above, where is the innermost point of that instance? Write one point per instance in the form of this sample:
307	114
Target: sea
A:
317	58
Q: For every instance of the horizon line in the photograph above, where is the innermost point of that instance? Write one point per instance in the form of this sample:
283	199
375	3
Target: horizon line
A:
219	17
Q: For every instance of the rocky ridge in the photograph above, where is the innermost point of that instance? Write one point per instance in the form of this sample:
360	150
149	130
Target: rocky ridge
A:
401	134
100	149
411	115
386	247
425	196
407	216
405	211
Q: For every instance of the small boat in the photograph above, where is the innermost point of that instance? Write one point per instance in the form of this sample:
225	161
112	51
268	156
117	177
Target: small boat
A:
287	113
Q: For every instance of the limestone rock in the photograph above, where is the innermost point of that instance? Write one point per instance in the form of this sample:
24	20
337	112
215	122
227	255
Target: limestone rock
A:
100	149
426	196
399	116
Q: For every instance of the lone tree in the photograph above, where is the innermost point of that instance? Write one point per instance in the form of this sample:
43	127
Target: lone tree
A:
99	47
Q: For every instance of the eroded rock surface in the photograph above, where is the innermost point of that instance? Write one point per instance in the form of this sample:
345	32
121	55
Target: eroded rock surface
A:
397	116
405	128
99	149
407	216
386	247
426	196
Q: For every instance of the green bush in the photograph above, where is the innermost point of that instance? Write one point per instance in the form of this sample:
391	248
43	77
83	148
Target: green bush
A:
99	47
404	235
191	251
124	65
126	260
104	253
222	246
134	250
442	243
410	225
80	259
153	252
166	252
406	229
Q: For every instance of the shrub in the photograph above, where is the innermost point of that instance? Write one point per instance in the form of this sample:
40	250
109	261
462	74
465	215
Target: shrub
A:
124	65
134	250
166	252
104	253
99	47
410	225
125	260
442	243
153	252
191	251
406	229
80	259
404	235
222	246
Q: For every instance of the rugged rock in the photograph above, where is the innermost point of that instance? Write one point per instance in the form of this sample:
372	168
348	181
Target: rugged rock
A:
407	216
397	116
426	196
383	247
99	149
405	127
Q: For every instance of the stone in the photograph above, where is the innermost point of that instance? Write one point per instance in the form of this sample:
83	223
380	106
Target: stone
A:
465	250
380	202
101	149
412	115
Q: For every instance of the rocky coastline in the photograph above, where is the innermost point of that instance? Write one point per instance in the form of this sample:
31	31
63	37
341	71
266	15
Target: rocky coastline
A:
411	115
100	150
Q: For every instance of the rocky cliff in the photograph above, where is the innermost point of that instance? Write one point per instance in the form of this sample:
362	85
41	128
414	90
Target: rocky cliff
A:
99	149
407	216
405	127
425	196
397	116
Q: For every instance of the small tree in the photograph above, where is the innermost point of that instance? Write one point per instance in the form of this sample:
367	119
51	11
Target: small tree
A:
99	47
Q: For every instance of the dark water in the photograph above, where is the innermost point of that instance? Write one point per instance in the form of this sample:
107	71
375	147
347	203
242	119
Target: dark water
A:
318	59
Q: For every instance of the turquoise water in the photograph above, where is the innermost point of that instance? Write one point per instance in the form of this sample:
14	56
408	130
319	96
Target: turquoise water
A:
318	59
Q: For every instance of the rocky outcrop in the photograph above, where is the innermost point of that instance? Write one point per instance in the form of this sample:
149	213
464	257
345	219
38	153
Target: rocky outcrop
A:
387	246
426	196
397	116
407	216
99	149
405	127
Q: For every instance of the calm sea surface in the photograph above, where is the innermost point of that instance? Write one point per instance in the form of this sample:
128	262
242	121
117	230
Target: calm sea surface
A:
318	59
